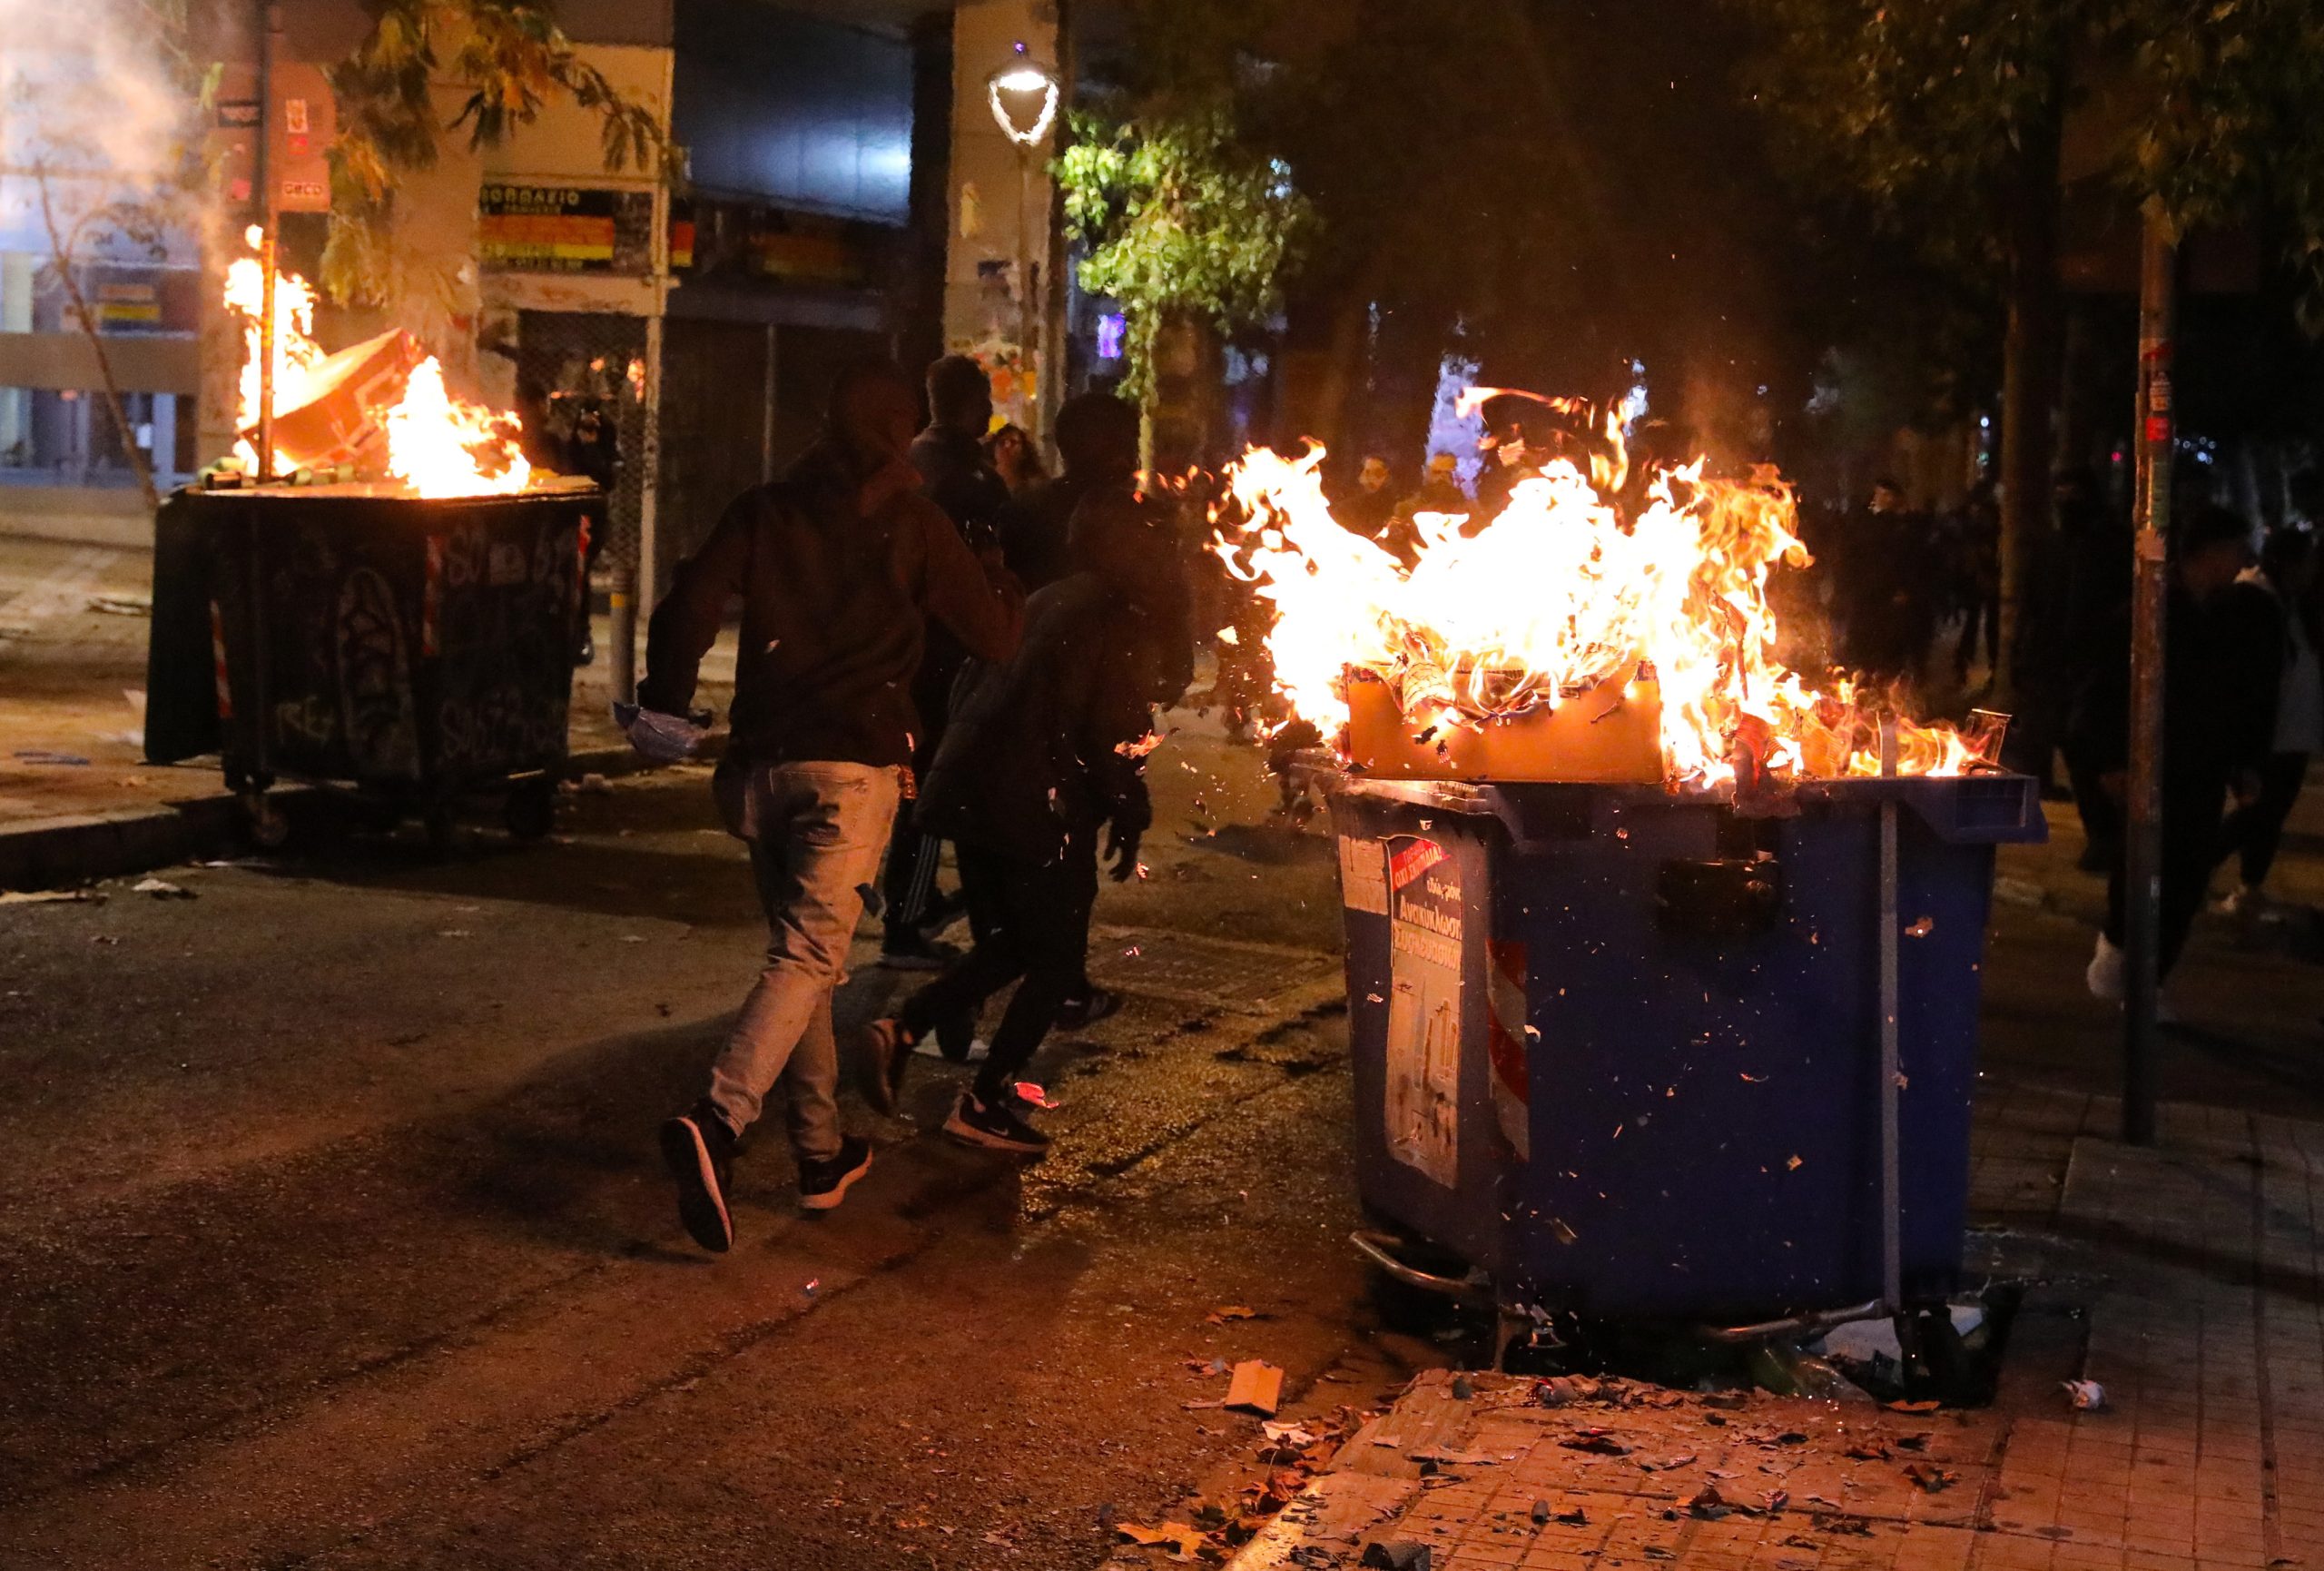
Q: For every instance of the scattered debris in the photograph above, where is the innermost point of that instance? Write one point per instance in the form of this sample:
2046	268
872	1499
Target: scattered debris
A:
50	759
121	605
1395	1555
2087	1395
52	897
1929	1477
1030	1092
161	889
1600	1442
1181	1538
1226	1313
1462	1390
1257	1387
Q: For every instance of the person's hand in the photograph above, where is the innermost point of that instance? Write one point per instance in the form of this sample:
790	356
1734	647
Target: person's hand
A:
1121	853
2116	784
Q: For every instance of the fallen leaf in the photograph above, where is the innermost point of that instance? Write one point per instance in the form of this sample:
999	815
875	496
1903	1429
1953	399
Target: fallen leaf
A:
1930	1477
1220	1316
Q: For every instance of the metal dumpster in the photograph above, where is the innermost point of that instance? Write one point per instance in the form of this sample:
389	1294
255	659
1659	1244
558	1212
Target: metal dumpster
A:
419	649
1619	1050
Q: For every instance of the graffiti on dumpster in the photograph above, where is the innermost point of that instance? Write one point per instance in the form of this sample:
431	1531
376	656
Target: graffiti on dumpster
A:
375	680
508	626
1423	1109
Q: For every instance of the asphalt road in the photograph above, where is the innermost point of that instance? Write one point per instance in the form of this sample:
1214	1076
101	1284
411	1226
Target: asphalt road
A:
332	1233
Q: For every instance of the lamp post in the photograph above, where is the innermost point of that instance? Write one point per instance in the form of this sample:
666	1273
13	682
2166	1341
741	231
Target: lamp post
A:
1023	95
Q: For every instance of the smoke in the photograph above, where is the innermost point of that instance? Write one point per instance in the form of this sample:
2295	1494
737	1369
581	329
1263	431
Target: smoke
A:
99	103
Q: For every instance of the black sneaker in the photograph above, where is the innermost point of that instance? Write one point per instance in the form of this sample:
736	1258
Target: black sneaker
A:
699	1148
885	1054
996	1127
823	1184
1089	1007
909	949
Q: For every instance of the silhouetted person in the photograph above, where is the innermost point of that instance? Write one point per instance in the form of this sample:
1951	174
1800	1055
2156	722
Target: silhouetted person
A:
2220	679
1046	750
2280	597
1366	510
958	476
1977	571
1096	446
1892	588
840	567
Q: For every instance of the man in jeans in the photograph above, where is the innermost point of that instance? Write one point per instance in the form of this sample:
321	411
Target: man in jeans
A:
838	565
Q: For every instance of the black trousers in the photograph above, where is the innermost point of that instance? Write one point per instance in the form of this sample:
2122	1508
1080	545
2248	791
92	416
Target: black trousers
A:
2190	831
2253	831
1031	922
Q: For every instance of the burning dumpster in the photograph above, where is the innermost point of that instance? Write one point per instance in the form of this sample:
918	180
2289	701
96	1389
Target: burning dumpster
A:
1622	1048
419	648
1663	965
410	633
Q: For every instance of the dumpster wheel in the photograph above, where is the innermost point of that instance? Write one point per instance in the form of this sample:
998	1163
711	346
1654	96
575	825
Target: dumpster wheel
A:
270	828
530	811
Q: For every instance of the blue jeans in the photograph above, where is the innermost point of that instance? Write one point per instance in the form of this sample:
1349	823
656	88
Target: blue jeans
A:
816	832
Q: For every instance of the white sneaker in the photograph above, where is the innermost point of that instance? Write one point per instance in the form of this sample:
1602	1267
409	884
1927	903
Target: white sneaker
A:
2105	976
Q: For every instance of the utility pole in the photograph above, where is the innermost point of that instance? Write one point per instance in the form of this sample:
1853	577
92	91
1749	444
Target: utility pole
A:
263	179
2151	565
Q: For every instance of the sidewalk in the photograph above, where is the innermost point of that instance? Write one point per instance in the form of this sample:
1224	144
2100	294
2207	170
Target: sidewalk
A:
2184	1279
74	623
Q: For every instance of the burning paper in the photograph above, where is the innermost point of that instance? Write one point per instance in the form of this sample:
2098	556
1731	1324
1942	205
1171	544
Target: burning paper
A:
331	409
1564	594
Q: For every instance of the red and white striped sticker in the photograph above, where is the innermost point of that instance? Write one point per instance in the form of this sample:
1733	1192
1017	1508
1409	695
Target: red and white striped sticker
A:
432	594
217	662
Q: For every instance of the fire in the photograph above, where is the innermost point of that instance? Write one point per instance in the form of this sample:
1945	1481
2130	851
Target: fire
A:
296	354
437	445
1558	594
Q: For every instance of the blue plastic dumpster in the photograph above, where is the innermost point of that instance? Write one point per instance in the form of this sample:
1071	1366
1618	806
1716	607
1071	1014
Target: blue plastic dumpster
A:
1620	1049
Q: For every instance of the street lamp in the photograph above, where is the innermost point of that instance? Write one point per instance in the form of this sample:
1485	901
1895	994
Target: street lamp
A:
1023	95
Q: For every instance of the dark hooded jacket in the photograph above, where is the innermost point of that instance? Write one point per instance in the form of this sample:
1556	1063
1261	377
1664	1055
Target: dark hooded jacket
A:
1046	747
838	584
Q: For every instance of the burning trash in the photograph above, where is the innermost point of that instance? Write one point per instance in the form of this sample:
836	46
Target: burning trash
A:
380	407
1612	625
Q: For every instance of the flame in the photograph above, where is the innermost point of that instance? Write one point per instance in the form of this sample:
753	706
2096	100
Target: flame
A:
438	445
296	354
1560	592
441	447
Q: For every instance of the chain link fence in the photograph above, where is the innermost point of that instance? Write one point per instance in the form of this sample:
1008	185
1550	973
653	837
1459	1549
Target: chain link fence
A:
581	382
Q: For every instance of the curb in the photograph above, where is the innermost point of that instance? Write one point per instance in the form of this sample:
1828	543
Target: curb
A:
50	853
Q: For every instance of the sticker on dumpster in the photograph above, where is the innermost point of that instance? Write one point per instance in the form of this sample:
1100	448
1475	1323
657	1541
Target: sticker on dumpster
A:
1422	1105
1364	876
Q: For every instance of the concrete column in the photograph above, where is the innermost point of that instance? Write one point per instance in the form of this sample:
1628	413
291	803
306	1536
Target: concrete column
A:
16	269
997	194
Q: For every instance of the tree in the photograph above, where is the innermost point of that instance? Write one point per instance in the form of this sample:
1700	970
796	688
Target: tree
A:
511	57
103	124
1947	117
1182	220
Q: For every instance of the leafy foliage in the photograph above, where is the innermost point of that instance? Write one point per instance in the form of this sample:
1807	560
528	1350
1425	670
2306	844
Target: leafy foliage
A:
511	56
1181	219
1925	110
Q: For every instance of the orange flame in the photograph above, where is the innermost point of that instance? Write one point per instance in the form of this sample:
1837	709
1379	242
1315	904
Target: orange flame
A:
438	445
1555	594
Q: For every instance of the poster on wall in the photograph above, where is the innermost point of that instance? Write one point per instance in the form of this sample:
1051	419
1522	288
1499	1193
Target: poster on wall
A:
1424	925
564	228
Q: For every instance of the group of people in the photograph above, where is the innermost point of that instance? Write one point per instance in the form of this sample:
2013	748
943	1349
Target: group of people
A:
1894	575
937	644
2243	701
